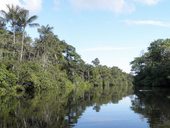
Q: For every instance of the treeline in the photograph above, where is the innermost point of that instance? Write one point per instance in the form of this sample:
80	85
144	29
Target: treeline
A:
153	67
47	61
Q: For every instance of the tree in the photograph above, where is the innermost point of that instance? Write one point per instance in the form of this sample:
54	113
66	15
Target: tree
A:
24	21
48	46
44	31
11	16
96	62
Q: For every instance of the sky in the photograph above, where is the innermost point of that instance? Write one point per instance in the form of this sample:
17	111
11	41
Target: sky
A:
115	31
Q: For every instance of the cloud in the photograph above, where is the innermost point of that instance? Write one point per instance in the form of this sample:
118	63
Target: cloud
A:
148	2
107	49
32	5
5	2
148	22
117	6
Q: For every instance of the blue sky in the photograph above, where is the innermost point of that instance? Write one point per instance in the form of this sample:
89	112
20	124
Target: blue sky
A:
115	31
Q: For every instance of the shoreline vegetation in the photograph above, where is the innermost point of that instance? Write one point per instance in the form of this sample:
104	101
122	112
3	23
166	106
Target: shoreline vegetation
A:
44	63
152	69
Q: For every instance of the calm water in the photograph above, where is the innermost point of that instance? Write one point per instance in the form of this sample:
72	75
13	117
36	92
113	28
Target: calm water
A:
112	115
101	108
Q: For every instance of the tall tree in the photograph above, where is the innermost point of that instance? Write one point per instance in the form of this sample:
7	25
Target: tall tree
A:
44	31
11	16
46	37
24	21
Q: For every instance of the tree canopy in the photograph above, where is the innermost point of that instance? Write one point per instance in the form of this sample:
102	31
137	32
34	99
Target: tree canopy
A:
153	67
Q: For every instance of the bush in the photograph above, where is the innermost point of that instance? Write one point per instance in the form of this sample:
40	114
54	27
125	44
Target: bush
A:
7	78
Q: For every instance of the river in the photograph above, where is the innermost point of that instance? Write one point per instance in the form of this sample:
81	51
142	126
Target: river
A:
116	107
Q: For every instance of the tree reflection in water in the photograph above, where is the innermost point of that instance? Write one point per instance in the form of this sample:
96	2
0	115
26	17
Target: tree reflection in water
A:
55	109
153	104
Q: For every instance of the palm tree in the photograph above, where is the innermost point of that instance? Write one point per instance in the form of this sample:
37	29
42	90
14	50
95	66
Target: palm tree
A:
11	16
44	31
46	35
24	21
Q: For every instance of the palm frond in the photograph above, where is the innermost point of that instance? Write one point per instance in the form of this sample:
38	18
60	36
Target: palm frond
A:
45	29
3	13
31	19
34	25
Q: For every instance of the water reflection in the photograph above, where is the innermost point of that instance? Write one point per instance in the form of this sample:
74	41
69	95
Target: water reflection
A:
99	107
55	109
154	105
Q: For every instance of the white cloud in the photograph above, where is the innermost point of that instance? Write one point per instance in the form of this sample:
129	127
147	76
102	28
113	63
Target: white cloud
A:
117	6
148	22
5	2
107	49
32	5
148	2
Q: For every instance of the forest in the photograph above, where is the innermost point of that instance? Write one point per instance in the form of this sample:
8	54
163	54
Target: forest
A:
152	69
28	64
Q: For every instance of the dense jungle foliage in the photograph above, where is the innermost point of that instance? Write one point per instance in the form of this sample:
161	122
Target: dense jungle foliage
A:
153	67
46	62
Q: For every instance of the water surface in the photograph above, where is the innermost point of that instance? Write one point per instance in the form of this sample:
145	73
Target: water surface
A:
113	107
112	115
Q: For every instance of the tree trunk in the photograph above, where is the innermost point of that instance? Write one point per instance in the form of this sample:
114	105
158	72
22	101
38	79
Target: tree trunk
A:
14	40
14	35
1	54
44	56
44	61
22	45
